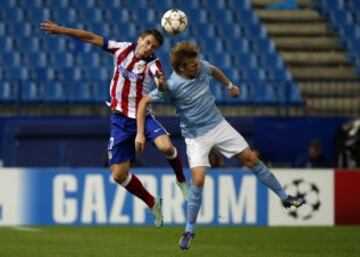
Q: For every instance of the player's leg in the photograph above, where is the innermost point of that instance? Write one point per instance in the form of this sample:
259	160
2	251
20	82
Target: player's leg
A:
250	160
230	143
163	143
160	137
197	150
121	175
121	151
193	207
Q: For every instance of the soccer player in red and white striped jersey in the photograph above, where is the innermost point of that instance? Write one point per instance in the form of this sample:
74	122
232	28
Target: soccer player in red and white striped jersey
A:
133	77
135	70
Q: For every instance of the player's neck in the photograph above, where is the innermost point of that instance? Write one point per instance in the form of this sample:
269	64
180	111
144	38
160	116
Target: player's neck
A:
186	76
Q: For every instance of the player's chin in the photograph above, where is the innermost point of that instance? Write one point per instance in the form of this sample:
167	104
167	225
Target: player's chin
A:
147	54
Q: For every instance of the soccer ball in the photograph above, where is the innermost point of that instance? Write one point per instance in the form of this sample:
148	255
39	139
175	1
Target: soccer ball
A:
174	21
310	192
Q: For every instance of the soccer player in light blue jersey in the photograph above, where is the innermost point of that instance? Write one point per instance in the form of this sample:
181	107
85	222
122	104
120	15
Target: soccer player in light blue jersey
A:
203	127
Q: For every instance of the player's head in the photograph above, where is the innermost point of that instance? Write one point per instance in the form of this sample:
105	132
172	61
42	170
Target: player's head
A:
148	42
314	149
184	59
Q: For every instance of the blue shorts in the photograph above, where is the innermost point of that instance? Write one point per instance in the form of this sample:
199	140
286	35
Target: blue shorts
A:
121	146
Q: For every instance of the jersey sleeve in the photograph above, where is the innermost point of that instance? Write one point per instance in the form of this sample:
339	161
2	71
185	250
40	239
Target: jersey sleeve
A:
158	96
206	66
154	67
112	46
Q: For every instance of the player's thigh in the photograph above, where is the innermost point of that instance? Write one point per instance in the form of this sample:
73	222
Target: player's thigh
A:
229	141
121	147
153	128
122	151
197	151
163	143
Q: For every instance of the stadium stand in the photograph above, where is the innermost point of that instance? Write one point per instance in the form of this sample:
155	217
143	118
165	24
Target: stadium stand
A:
310	40
303	60
46	62
283	52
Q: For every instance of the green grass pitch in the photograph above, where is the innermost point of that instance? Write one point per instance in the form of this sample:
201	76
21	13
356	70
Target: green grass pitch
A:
121	241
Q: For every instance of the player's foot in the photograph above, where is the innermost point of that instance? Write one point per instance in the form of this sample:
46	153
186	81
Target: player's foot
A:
185	240
293	202
156	212
184	187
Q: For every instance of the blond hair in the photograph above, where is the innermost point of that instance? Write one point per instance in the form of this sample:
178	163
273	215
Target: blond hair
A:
181	52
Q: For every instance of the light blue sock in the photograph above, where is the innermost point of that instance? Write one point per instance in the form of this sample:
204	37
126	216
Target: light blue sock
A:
194	203
269	180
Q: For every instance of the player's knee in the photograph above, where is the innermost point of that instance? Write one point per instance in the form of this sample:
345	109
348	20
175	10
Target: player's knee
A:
198	181
119	174
167	149
250	160
164	145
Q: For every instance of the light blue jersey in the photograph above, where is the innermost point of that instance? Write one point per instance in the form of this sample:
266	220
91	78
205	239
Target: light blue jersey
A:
193	100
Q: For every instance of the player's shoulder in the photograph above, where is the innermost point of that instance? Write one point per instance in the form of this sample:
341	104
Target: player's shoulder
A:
205	63
205	66
173	80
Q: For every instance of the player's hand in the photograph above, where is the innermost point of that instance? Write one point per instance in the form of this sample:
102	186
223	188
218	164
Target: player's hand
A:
160	81
140	142
234	91
50	27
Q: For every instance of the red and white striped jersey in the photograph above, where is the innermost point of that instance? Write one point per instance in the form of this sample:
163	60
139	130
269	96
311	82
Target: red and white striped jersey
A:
133	78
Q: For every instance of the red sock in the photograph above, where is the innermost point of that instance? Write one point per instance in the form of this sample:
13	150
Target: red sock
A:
176	165
135	187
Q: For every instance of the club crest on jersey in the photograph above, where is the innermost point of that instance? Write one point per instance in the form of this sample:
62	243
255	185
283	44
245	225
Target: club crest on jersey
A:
130	74
139	67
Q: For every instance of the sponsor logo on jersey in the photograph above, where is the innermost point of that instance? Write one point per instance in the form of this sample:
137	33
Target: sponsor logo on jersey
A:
130	75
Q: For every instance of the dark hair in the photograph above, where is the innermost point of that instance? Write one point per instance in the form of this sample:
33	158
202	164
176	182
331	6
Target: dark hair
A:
157	35
181	52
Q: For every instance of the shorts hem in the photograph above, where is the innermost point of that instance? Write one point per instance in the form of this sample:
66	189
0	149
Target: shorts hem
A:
199	165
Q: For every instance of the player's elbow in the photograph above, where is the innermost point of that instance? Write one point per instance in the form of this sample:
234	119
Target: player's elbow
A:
145	101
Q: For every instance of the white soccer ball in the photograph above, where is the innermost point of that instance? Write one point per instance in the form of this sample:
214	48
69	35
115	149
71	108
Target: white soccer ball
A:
174	21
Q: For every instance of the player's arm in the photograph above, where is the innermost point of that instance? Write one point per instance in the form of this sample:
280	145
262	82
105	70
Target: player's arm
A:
220	76
83	35
160	81
157	73
140	122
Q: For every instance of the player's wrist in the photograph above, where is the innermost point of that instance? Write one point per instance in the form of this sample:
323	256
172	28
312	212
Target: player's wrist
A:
61	29
230	85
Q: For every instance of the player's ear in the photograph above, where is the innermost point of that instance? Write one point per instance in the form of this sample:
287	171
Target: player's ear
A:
181	68
140	38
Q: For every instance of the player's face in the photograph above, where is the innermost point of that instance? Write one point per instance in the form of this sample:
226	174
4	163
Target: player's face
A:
190	67
146	46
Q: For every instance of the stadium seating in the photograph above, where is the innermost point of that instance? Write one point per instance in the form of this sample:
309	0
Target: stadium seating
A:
343	16
32	92
56	69
56	93
9	91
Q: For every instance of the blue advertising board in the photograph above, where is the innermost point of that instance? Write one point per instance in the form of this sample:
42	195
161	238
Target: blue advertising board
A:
87	196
